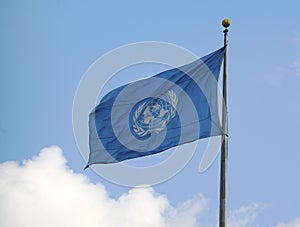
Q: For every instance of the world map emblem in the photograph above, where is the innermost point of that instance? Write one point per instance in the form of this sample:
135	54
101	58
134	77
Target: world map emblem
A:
152	115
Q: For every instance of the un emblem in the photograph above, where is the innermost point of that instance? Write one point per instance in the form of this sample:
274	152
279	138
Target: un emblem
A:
152	115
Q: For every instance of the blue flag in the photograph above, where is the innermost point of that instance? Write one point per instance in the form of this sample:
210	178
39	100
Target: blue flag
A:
149	116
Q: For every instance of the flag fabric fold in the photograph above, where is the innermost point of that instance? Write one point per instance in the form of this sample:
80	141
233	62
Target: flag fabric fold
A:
151	115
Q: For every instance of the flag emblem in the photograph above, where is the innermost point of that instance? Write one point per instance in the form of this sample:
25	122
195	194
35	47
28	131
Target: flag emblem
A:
152	115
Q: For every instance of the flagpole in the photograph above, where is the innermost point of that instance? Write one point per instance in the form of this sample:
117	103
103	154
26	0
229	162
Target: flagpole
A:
224	149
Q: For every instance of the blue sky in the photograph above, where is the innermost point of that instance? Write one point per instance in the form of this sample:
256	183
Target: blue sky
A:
46	47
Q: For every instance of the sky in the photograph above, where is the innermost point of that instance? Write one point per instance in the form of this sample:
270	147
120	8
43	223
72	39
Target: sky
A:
48	46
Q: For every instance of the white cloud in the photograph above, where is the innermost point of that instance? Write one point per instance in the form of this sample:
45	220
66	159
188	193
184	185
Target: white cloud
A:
245	215
297	67
294	223
185	214
44	192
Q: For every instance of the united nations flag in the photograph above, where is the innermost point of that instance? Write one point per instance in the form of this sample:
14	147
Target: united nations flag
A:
148	116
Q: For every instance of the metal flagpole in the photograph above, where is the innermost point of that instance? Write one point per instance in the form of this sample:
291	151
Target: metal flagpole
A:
224	149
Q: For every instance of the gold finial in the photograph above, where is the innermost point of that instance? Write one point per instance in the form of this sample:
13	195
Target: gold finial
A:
226	23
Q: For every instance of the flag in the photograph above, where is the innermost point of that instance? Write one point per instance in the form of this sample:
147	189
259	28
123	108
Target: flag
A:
151	115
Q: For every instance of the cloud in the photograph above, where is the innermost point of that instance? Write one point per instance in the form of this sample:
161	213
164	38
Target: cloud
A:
44	192
294	223
297	67
185	214
245	215
282	74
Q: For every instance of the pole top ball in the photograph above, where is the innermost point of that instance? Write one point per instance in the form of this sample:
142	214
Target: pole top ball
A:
226	23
